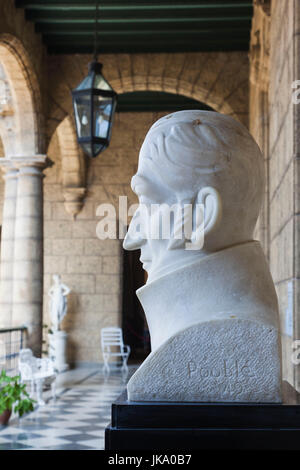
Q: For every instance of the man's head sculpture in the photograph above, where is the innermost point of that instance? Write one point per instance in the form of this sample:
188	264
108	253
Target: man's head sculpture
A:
198	157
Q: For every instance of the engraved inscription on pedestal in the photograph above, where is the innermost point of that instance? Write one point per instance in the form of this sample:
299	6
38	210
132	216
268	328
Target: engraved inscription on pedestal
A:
206	369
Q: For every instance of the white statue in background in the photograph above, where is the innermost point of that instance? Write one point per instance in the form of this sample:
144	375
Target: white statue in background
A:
58	302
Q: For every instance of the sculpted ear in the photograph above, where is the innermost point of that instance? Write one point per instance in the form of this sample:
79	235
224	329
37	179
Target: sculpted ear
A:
200	219
206	214
212	203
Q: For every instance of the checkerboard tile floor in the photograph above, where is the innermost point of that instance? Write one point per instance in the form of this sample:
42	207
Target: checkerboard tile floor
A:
75	421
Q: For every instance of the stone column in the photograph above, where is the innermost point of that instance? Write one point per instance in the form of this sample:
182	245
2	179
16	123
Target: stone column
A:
7	243
28	250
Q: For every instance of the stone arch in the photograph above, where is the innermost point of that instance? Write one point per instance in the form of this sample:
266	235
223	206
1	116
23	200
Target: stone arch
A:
73	167
218	79
21	117
171	85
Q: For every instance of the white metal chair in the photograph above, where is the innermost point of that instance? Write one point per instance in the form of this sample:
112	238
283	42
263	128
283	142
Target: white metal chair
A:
35	371
112	345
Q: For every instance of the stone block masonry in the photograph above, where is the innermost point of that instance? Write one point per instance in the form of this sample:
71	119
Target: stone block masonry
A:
92	268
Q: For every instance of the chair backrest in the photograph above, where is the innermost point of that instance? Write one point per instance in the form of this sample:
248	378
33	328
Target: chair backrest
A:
31	367
25	356
26	364
111	336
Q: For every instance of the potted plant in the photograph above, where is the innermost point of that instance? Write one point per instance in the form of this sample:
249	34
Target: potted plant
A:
13	397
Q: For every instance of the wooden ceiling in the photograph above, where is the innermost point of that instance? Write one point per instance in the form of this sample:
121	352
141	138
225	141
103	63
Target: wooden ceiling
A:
141	26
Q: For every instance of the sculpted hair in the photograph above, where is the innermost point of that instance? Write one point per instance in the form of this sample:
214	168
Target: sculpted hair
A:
208	148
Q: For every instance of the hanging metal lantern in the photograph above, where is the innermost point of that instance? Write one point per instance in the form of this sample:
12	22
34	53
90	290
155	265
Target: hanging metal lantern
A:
94	103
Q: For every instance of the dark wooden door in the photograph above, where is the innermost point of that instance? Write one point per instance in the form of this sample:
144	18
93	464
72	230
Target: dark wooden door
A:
134	324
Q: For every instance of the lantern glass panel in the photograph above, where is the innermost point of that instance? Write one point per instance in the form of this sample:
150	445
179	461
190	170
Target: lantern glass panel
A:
83	115
87	83
102	108
87	148
97	148
92	149
101	84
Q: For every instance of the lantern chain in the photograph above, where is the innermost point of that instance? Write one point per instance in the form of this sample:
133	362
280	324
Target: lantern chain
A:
96	33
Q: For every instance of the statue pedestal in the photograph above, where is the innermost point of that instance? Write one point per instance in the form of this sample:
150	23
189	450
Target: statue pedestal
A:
200	426
57	348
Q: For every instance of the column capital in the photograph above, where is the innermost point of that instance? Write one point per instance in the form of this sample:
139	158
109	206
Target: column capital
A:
36	161
8	168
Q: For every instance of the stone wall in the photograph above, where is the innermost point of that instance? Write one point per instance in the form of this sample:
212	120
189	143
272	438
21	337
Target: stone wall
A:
281	167
2	155
259	105
92	268
274	123
296	191
218	79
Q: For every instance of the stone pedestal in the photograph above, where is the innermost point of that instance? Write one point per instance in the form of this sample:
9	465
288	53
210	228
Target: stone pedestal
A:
7	243
214	332
57	350
203	426
229	360
28	249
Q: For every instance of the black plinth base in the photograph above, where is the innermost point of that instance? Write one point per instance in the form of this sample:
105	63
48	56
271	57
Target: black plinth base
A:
199	426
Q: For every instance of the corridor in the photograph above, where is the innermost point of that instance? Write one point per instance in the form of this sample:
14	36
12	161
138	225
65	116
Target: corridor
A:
76	421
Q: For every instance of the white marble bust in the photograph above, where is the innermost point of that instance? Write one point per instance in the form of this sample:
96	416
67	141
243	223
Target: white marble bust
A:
212	312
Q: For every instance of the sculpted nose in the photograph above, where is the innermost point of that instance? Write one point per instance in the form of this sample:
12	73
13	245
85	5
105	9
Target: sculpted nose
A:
132	242
137	230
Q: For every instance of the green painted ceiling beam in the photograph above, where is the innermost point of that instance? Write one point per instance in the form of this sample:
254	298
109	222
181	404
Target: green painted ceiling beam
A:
130	5
109	38
144	42
67	26
146	48
208	14
110	26
149	35
159	21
